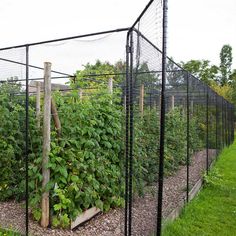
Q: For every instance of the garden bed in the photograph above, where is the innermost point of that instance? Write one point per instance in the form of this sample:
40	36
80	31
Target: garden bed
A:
111	223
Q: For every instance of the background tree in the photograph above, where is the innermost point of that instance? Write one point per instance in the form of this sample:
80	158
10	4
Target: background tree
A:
202	70
233	86
225	64
94	74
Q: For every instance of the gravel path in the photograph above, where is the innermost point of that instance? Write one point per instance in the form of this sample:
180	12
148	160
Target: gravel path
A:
12	214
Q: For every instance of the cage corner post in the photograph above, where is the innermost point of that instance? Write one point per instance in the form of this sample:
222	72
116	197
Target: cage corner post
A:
27	142
127	97
188	138
131	134
162	120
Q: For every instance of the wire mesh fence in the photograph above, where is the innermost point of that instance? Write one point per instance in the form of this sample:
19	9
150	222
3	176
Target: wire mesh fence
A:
118	146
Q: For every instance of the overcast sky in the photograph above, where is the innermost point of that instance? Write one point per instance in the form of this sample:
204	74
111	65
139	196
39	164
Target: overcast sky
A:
197	29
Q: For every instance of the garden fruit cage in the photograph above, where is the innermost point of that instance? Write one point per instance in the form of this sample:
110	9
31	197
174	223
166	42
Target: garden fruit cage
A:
150	129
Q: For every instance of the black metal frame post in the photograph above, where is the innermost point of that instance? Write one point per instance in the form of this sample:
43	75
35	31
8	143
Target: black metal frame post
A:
232	123
187	159
222	129
27	143
162	122
216	127
131	131
207	130
226	123
127	139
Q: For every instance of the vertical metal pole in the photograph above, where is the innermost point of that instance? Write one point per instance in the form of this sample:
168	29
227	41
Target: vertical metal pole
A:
228	122
216	127
27	144
232	123
127	138
187	161
225	121
222	123
207	130
131	123
162	122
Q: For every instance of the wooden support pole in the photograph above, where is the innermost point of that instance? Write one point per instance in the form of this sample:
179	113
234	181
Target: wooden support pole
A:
38	95
154	104
46	143
56	117
141	99
172	102
191	107
110	86
160	102
80	94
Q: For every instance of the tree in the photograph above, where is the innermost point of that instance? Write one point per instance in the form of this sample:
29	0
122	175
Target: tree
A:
225	64
233	86
202	70
94	75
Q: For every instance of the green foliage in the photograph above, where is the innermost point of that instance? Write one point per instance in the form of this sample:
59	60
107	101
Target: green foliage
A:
4	232
11	143
213	178
146	144
86	76
85	161
202	70
225	64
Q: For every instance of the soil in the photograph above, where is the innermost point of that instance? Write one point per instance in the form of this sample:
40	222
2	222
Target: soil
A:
144	210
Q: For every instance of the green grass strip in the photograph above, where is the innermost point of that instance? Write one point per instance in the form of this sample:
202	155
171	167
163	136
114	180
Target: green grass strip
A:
213	211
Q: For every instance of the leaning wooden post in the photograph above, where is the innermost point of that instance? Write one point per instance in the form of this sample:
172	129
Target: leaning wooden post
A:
38	95
141	99
56	117
46	143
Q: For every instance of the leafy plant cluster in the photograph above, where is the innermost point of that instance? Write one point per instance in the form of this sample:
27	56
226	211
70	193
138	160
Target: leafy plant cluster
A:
146	144
11	144
87	160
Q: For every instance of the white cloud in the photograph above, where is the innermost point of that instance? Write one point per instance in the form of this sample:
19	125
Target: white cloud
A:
197	29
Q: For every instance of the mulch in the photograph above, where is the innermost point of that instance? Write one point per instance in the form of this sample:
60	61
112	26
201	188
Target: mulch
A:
144	210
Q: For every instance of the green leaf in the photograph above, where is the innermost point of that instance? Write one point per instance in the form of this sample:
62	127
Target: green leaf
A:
63	171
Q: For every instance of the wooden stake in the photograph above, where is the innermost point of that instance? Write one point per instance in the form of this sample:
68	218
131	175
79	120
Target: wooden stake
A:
110	86
46	143
172	102
38	95
141	99
192	107
55	117
80	94
160	102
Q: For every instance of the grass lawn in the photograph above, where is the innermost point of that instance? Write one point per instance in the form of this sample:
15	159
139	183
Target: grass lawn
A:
213	211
